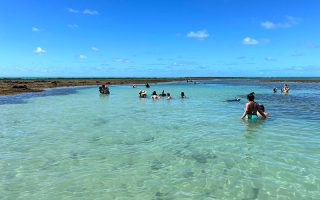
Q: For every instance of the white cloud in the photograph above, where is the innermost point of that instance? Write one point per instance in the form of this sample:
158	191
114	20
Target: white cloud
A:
268	25
71	10
35	29
90	12
269	59
83	57
39	50
85	11
289	22
95	49
250	41
73	26
200	35
122	60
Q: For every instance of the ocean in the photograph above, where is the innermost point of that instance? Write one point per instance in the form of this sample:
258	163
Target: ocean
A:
73	143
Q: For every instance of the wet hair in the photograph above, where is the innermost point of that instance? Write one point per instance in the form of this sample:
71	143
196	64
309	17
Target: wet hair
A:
154	93
168	94
250	97
262	107
182	94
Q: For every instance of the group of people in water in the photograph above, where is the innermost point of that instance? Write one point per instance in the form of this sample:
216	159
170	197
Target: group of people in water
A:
285	89
155	96
103	89
252	109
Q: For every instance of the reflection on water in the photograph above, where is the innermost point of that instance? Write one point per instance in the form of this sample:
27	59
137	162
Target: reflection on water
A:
71	144
22	98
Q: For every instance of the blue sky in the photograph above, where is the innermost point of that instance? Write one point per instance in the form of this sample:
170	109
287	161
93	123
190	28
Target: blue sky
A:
159	38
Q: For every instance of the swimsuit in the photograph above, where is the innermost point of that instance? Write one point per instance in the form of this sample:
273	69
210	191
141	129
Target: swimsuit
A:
252	117
252	113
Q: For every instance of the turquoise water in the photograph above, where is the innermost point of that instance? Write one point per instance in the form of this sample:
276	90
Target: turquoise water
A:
72	143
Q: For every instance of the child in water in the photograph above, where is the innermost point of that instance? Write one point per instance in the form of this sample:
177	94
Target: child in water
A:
263	110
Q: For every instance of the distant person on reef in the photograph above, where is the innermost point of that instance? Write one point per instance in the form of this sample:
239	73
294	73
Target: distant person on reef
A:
134	86
182	95
103	89
252	108
154	95
147	85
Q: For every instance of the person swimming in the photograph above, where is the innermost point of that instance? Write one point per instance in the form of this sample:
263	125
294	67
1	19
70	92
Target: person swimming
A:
232	100
252	108
147	85
168	96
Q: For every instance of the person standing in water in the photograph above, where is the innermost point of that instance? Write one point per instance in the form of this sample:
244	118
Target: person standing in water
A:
285	89
104	89
163	94
263	110
154	95
252	108
142	94
275	90
182	95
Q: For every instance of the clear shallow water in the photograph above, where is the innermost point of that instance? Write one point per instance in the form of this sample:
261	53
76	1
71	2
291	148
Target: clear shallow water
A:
75	144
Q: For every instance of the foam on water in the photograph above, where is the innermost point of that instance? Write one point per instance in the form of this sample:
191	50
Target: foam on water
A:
86	146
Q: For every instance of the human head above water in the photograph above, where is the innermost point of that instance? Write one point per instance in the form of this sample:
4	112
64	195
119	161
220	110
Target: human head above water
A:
250	97
262	107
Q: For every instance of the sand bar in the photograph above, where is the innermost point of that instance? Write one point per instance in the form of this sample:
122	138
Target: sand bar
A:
10	86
